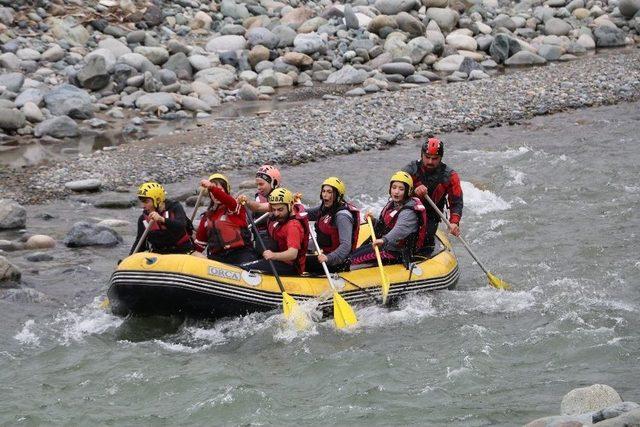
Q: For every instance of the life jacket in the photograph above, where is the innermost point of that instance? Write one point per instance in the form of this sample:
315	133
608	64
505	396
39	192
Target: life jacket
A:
224	232
327	230
279	231
158	232
443	187
389	217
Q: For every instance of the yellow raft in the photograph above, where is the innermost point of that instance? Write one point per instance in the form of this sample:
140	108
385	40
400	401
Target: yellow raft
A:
152	284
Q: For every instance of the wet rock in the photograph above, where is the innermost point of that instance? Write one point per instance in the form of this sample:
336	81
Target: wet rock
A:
609	37
114	223
12	81
94	74
589	399
84	185
12	214
86	234
57	127
39	257
249	93
40	241
152	101
32	113
226	43
9	273
525	57
347	75
11	119
69	100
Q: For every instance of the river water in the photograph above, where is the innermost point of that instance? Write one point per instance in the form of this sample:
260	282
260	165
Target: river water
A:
550	207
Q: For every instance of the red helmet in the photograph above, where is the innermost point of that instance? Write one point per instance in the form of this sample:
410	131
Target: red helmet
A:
433	147
269	173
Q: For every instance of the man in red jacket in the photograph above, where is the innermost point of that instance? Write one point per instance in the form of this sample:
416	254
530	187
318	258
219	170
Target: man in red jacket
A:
435	179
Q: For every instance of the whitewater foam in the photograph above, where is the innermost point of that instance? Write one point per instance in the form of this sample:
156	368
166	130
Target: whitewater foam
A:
26	336
481	202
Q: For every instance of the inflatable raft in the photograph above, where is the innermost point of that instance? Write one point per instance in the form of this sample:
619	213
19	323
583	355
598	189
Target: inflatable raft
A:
152	284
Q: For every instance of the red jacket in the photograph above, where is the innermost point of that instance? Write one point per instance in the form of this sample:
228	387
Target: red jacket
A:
228	210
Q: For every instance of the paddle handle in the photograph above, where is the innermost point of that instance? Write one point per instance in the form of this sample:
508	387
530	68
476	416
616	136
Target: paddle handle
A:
143	237
260	219
324	264
273	267
385	282
446	221
195	208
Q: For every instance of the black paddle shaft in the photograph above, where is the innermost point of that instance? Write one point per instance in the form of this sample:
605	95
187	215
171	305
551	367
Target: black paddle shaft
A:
273	267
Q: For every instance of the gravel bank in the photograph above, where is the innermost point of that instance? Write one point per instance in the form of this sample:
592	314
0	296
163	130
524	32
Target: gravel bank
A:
340	126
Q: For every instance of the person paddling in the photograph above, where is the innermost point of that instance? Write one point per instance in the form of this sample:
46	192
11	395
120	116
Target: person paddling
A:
223	229
337	224
288	229
438	181
166	221
401	228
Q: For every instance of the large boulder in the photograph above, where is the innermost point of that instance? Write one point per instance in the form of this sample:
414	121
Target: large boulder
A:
347	75
629	8
589	399
393	7
12	81
609	37
502	47
12	214
57	127
69	100
152	101
11	119
8	272
86	234
226	43
445	18
94	75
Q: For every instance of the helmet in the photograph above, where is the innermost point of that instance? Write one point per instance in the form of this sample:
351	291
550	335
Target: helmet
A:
281	196
433	147
338	185
404	178
269	173
219	176
153	191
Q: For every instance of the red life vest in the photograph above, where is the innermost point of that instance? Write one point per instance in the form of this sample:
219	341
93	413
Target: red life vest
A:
327	231
157	226
389	217
279	232
226	230
260	199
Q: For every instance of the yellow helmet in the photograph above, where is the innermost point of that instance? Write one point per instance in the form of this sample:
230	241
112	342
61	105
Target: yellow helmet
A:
336	183
153	191
281	196
404	178
219	176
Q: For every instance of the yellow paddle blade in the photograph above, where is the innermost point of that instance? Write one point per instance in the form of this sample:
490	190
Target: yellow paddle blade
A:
292	311
105	304
343	314
497	282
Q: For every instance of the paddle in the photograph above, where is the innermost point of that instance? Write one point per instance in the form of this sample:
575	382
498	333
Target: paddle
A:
493	280
385	281
260	219
290	307
195	208
143	238
343	314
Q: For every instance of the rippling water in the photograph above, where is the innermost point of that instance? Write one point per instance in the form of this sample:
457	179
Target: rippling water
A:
550	206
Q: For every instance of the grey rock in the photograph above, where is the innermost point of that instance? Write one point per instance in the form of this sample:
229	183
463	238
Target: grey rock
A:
631	418
308	43
54	54
347	75
609	37
86	234
121	73
135	37
233	30
469	65
69	100
199	62
91	184
152	101
12	214
135	60
180	65
39	257
12	119
58	127
114	200
561	421
157	55
248	93
191	103
69	31
350	18
550	52
557	27
226	43
525	57
12	81
417	79
32	113
356	92
153	15
9	61
614	411
94	74
478	75
393	7
116	47
504	21
9	273
217	76
589	399
167	77
500	48
409	24
445	18
629	8
232	9
28	54
262	36
6	15
401	68
285	34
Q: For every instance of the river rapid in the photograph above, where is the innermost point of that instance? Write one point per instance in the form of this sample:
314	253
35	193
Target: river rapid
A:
550	207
